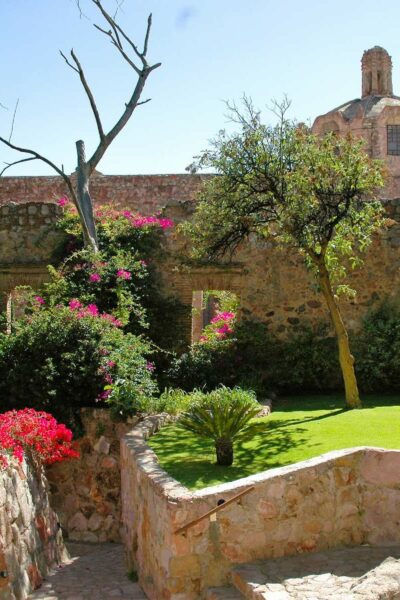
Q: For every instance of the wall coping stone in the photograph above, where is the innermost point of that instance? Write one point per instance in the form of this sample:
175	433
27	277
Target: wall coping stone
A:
147	461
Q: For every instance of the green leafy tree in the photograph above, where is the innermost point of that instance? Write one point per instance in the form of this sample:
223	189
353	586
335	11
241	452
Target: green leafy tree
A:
312	193
223	415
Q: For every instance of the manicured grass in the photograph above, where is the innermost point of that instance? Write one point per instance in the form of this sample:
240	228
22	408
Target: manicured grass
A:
299	428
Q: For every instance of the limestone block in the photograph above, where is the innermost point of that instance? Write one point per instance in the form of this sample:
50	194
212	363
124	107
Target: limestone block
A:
78	522
102	446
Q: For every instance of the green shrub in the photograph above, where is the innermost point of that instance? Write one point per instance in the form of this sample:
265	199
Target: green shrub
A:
223	416
377	349
173	401
58	360
255	359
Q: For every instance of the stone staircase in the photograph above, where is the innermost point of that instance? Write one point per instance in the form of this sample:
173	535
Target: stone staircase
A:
360	573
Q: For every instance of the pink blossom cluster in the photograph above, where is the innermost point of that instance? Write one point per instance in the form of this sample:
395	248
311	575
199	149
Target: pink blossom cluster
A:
122	274
220	326
223	316
91	310
142	221
36	431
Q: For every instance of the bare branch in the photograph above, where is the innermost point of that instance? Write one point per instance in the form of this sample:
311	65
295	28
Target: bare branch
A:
119	7
16	162
118	30
122	121
68	63
89	95
37	156
81	13
146	39
119	48
2	106
13	120
143	102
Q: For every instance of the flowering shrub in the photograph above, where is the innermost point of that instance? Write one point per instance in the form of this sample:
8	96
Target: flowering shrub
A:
220	327
121	279
253	358
37	433
62	358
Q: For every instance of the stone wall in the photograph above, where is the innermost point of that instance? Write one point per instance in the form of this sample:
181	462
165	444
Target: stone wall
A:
347	497
272	283
86	492
143	193
27	233
30	537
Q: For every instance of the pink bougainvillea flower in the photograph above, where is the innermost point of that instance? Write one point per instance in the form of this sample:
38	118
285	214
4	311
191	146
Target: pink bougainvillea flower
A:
122	274
127	214
92	310
94	278
223	316
150	366
116	322
165	223
74	304
110	363
62	201
40	300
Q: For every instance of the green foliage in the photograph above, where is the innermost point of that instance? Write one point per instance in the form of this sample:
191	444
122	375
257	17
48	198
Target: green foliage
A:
299	428
282	182
58	362
255	359
314	193
127	244
377	349
173	401
222	416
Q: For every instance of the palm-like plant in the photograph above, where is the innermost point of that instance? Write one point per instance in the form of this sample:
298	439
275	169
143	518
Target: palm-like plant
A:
222	415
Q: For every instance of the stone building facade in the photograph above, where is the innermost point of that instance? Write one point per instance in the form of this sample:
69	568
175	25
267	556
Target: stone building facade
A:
375	116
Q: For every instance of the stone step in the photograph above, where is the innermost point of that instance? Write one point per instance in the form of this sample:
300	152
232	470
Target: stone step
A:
224	593
361	573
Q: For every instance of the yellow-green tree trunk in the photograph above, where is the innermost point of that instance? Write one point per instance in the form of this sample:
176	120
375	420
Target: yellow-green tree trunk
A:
346	359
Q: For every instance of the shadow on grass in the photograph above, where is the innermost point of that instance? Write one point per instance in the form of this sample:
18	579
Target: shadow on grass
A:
331	402
191	460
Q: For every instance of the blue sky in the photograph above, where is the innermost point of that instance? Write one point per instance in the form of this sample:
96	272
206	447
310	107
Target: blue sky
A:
211	51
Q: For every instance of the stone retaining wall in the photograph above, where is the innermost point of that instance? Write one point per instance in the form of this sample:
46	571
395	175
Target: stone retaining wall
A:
86	492
30	538
347	497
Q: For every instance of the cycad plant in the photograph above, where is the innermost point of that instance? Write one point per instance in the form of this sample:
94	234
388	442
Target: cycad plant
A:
222	415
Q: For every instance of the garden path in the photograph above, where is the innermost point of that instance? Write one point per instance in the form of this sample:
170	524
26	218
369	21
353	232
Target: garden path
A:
94	572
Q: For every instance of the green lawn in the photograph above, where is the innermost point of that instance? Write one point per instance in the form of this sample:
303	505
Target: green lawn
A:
299	428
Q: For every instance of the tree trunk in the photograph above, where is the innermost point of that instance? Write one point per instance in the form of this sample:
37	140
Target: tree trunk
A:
224	450
346	359
84	199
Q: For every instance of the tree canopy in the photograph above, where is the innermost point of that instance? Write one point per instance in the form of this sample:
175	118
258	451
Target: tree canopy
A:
281	181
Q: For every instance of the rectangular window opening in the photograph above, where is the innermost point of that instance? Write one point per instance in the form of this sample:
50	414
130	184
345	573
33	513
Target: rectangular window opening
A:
393	140
206	305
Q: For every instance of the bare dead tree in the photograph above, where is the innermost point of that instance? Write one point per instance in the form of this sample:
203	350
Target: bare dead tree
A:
137	60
